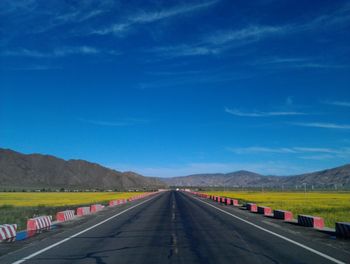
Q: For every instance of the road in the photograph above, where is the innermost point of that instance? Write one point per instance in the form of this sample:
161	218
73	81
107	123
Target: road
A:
175	227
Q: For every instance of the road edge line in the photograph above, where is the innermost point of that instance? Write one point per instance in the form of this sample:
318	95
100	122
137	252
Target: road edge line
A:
275	234
77	234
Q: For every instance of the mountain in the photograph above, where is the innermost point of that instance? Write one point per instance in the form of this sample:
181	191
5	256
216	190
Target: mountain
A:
336	176
44	171
237	178
339	176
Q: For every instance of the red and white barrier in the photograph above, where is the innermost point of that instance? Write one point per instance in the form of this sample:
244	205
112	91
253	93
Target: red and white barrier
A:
252	207
39	222
83	211
114	202
311	221
264	210
65	215
235	202
8	231
284	215
96	207
342	229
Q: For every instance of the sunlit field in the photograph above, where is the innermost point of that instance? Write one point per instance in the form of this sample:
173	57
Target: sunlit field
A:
332	206
60	198
17	207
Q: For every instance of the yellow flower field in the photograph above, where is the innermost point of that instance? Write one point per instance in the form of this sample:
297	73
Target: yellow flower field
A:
332	206
16	208
59	198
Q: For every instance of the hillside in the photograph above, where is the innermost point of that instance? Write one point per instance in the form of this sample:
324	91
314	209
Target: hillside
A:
44	171
339	176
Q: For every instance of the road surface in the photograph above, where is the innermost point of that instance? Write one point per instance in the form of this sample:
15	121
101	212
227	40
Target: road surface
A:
176	227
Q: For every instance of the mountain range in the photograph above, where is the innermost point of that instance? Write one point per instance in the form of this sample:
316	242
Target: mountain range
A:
335	177
36	171
33	171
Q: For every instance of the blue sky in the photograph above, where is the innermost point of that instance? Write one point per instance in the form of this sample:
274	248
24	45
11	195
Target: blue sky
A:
171	88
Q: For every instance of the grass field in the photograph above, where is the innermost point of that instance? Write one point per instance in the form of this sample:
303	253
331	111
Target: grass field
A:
332	206
16	208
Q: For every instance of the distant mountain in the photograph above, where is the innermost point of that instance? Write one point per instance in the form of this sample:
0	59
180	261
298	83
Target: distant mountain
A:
339	176
44	171
336	176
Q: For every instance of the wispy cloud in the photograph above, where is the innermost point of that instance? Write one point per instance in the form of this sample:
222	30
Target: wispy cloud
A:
317	157
220	41
184	50
255	32
338	103
117	123
147	17
78	16
317	153
296	62
248	150
323	125
36	67
151	16
236	112
58	52
338	18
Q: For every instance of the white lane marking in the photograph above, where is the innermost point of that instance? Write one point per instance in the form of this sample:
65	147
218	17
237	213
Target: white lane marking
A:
77	234
277	235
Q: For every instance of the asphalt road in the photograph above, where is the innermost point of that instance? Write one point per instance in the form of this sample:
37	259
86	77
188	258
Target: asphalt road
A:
175	227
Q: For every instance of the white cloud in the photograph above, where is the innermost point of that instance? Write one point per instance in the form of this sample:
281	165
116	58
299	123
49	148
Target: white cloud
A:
247	33
218	42
297	62
323	125
317	153
149	17
118	123
248	150
262	114
338	103
184	50
58	52
317	157
114	29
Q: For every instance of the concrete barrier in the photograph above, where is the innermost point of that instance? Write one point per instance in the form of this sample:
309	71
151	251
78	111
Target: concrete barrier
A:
83	211
65	215
342	229
264	210
311	221
284	215
96	207
235	202
114	202
252	207
8	231
39	222
229	201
